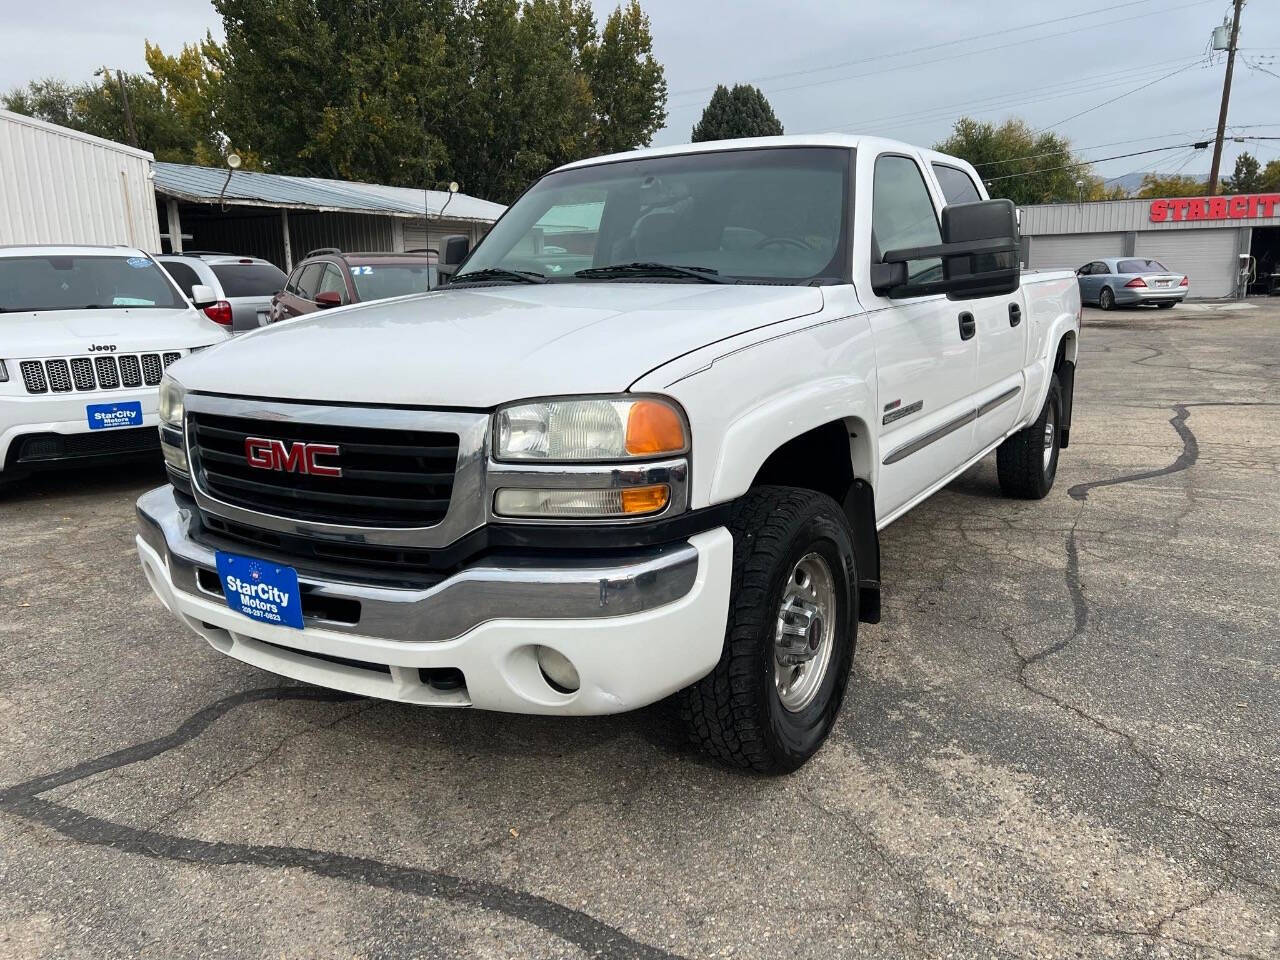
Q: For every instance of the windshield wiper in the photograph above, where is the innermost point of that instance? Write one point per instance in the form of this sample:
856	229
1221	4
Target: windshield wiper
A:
501	273
645	269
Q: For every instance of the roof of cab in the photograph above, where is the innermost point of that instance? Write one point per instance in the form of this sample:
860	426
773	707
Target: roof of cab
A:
848	141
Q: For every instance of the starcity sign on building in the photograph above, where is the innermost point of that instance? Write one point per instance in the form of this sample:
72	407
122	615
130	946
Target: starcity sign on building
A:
1247	206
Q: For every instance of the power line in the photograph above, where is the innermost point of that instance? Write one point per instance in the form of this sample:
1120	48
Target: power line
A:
954	56
932	46
1004	101
1128	93
1069	166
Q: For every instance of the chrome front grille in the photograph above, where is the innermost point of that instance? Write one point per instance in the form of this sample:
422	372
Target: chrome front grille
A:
411	477
82	374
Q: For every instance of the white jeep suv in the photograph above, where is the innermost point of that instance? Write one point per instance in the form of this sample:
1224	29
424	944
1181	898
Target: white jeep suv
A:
85	336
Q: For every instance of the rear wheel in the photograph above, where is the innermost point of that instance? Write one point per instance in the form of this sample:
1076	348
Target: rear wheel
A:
1107	299
772	699
1027	462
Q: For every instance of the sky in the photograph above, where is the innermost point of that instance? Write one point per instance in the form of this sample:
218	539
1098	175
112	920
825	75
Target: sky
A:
899	68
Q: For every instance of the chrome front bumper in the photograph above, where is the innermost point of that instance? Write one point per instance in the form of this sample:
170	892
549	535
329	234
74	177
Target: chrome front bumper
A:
635	629
475	595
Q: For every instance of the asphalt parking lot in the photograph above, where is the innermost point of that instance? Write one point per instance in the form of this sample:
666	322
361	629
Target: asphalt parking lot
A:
1062	741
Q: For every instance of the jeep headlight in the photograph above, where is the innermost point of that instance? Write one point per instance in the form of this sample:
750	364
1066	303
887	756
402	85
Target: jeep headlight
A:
172	444
589	429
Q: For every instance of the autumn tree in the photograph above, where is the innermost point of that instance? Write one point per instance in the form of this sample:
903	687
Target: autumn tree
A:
1173	185
1025	166
743	111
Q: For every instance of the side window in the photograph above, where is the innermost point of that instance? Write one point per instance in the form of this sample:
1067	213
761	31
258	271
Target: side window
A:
957	186
1100	268
183	276
309	280
331	282
902	214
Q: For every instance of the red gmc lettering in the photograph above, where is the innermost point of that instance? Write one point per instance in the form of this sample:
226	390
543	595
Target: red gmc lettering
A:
266	454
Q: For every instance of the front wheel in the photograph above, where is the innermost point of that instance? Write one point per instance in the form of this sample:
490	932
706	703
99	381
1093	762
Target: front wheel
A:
1027	462
772	699
1107	299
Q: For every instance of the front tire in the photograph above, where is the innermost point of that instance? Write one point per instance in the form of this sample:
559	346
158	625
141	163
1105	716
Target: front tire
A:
1027	462
1107	299
772	699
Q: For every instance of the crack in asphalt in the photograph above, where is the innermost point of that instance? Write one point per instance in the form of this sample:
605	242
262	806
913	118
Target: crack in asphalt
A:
1187	458
23	800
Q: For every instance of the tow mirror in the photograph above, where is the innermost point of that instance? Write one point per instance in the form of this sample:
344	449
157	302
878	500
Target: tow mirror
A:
327	299
203	296
979	254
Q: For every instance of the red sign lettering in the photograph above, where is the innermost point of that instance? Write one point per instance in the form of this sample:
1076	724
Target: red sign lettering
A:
1242	207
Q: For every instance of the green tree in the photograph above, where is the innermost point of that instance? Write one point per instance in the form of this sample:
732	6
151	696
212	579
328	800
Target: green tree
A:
191	84
98	109
741	112
1246	177
1154	185
628	85
1022	165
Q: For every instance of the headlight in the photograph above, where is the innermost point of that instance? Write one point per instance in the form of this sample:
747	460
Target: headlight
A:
589	429
171	397
172	444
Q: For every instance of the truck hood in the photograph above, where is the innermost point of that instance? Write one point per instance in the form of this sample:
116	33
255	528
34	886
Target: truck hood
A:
484	346
68	333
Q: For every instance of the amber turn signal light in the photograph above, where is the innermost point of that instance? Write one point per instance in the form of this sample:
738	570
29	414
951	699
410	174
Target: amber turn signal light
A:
653	428
649	499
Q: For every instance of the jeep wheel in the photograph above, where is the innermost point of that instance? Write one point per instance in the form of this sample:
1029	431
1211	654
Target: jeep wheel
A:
771	700
1028	461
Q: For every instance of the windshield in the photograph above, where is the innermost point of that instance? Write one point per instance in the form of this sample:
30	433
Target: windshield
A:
379	281
249	279
767	215
84	282
1140	266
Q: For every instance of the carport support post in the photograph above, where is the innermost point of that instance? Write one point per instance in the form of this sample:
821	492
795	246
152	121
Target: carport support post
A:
284	230
175	225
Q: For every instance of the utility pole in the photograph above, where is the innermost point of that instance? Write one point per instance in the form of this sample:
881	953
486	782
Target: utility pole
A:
1226	98
130	130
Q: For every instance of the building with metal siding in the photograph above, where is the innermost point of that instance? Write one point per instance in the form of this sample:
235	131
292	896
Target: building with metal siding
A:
63	186
282	218
1205	240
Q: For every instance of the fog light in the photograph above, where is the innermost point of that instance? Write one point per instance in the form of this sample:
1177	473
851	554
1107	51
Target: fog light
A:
558	671
174	456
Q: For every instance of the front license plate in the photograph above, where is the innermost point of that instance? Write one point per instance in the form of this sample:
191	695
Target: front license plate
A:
106	416
262	591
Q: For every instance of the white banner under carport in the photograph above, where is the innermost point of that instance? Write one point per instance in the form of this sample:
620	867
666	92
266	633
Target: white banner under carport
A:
1207	257
1072	251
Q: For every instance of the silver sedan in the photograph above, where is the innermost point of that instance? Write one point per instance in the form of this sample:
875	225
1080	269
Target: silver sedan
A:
1128	281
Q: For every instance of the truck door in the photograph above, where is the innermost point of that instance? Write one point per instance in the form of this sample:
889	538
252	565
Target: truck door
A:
926	351
1001	335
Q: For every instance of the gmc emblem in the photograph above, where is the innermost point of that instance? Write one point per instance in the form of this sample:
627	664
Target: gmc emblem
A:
297	457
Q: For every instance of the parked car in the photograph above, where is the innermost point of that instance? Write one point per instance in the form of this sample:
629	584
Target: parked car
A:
330	278
1129	281
577	483
86	333
242	286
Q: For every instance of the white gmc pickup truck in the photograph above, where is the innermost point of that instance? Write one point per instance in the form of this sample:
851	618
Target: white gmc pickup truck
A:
641	444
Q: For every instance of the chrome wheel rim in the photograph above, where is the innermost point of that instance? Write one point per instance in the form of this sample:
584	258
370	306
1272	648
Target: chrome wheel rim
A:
805	633
1050	428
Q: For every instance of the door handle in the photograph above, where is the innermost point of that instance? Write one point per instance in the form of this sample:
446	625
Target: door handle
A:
1015	314
968	326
